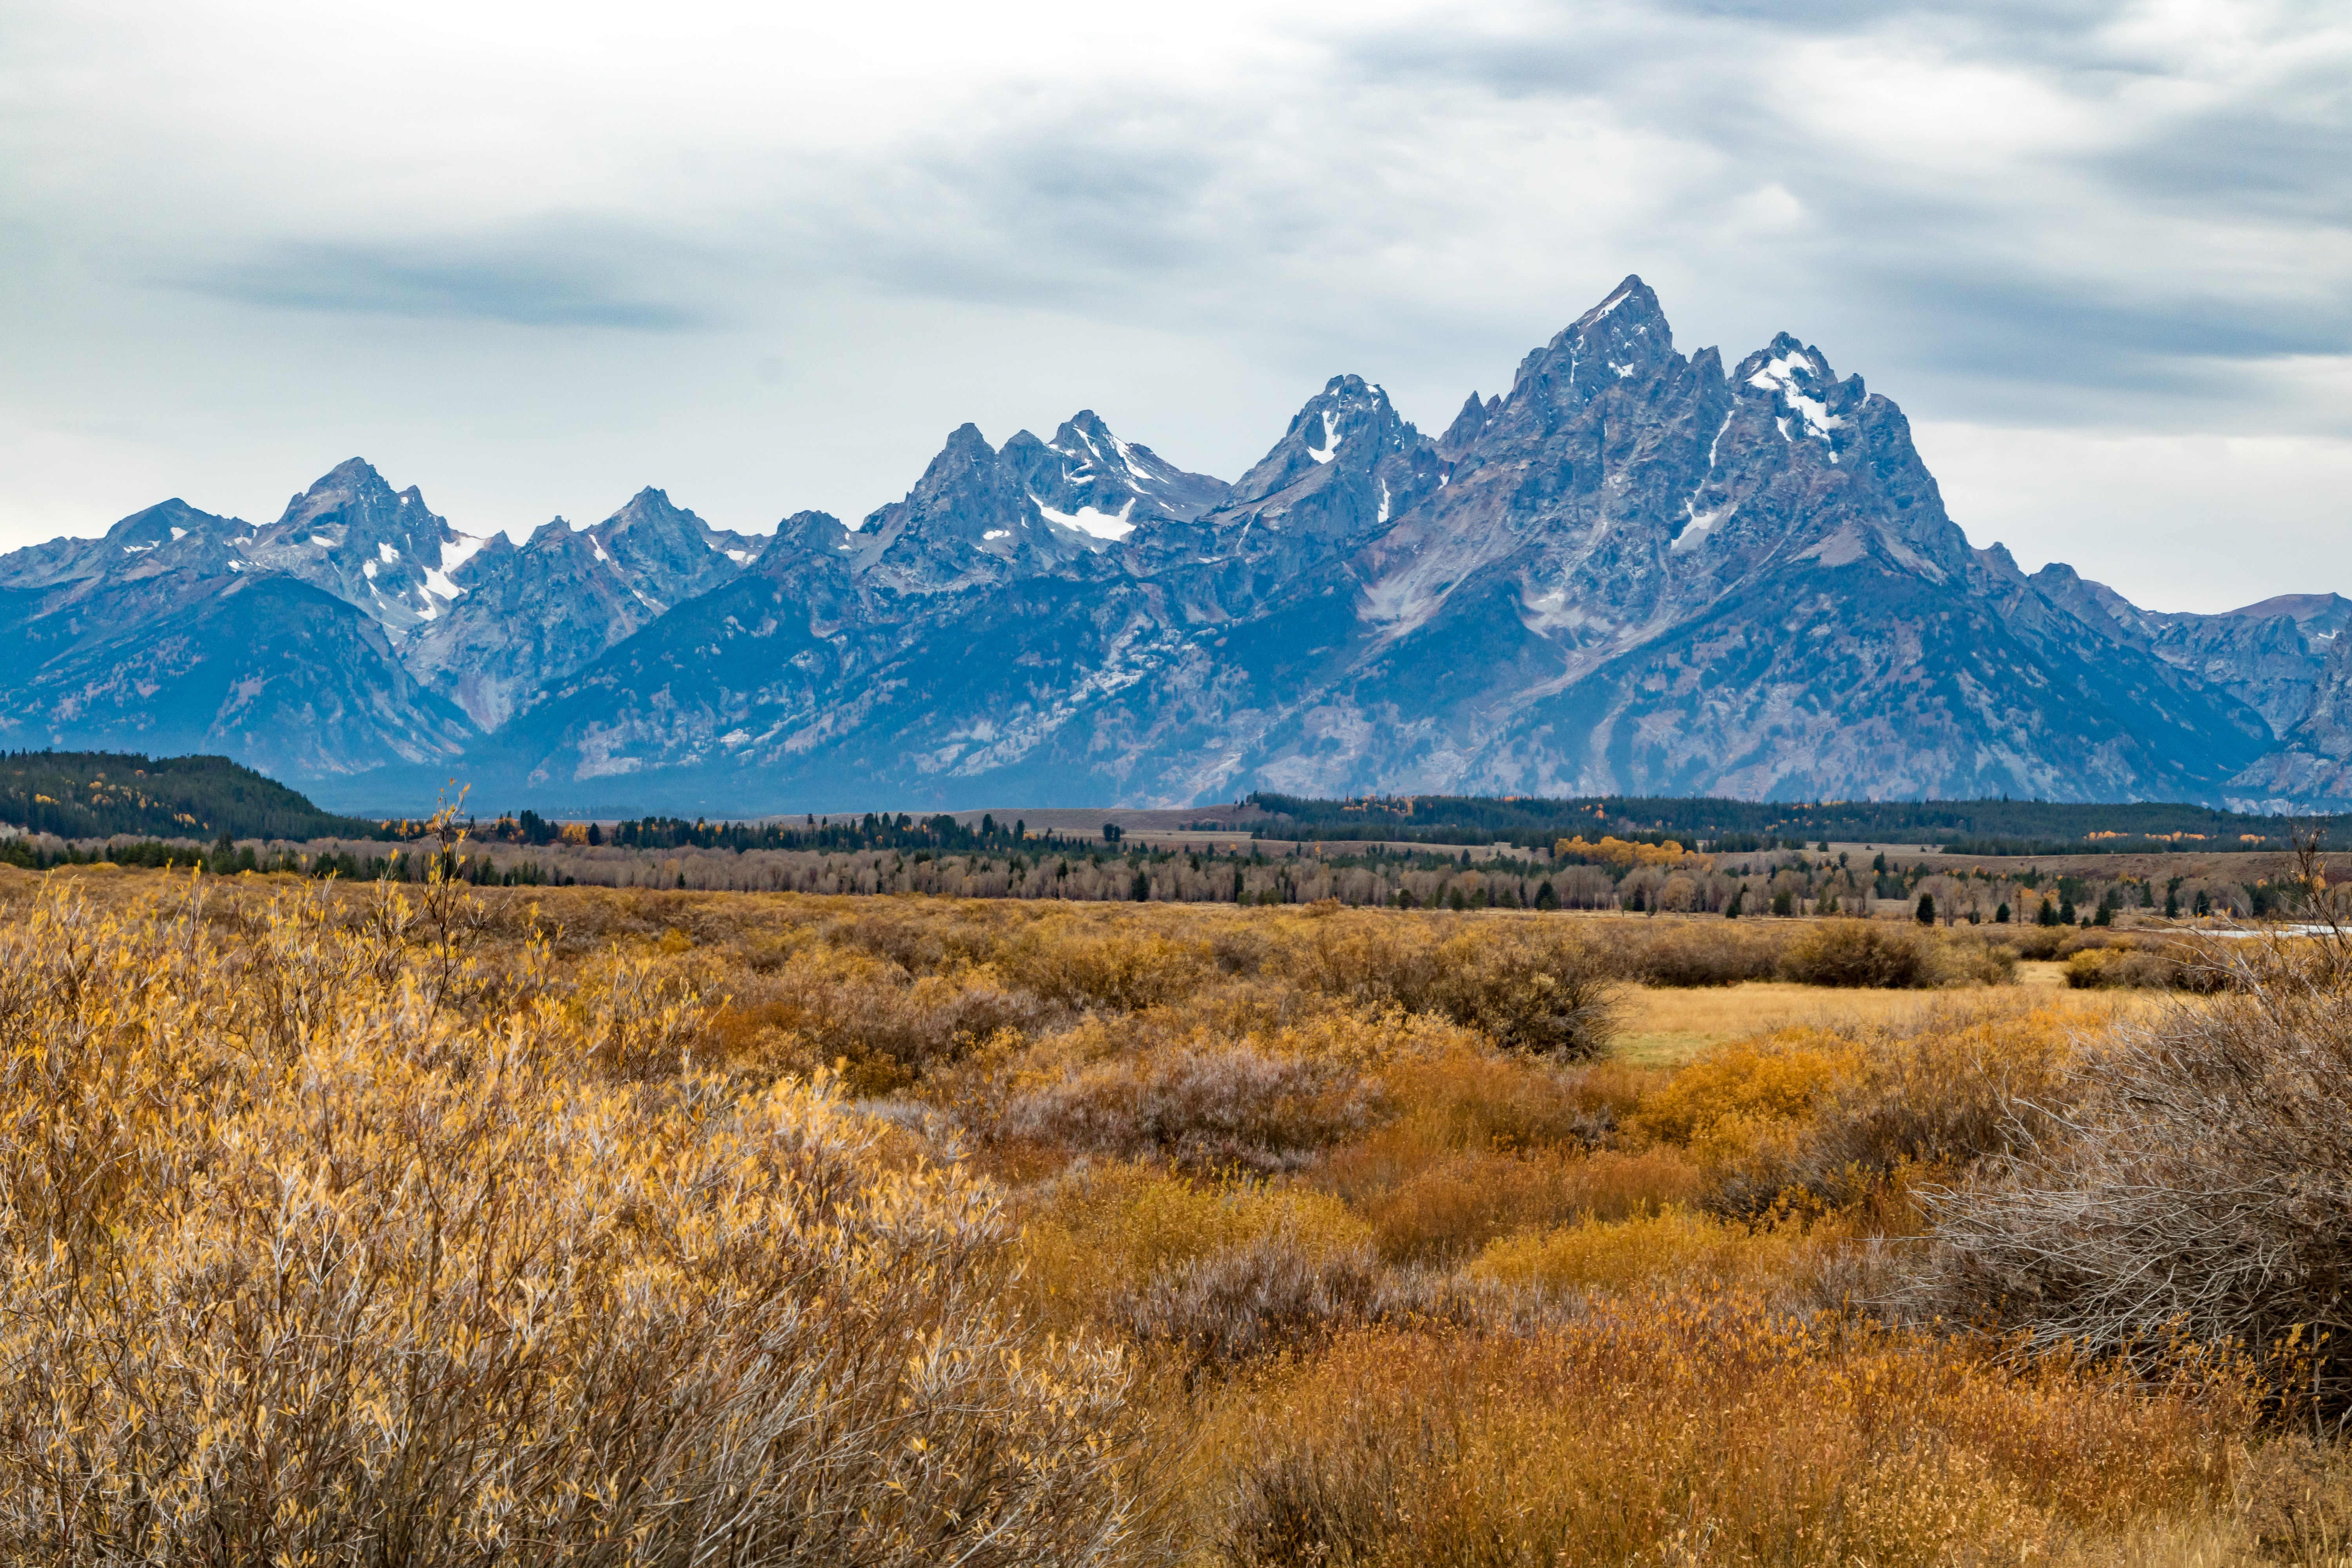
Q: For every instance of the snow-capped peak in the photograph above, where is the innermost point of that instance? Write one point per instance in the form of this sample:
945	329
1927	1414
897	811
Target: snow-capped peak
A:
1786	375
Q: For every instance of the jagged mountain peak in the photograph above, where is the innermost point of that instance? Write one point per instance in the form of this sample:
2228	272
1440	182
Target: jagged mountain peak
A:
1809	402
1089	480
969	522
1632	301
1349	427
169	536
1084	430
806	531
1346	466
1622	340
647	515
352	487
651	502
381	549
666	554
1468	426
159	524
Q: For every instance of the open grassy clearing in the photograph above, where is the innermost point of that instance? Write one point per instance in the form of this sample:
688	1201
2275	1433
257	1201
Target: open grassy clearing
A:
1668	1026
358	1224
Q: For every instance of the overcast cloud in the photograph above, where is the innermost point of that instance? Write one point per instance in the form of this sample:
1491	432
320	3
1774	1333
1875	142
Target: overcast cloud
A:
532	256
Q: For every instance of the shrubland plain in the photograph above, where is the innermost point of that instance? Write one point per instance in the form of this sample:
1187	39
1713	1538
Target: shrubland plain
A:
429	1222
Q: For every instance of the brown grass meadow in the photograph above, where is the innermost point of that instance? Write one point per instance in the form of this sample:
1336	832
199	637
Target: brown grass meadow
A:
426	1225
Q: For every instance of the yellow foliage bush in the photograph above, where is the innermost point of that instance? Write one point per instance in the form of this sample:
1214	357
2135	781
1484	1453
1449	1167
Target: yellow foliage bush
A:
1824	1117
1449	1209
1531	984
1672	1247
1614	851
1701	1432
1468	1098
1719	1101
315	1255
1100	1231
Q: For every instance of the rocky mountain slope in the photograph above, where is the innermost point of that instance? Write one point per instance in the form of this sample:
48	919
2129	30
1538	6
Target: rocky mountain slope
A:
1635	570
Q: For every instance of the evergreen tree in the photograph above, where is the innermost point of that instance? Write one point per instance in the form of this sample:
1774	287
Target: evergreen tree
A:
2049	915
1731	910
2001	914
1926	913
1784	902
2065	910
1546	897
2172	903
2204	902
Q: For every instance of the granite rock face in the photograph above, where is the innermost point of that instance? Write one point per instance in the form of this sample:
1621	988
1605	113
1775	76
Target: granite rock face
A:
522	619
1635	570
2312	767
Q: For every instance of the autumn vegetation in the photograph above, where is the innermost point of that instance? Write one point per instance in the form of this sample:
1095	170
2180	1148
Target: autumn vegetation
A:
425	1223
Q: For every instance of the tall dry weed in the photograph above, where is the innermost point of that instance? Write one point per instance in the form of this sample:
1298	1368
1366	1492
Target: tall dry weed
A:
1698	1431
1447	1210
1824	1117
307	1265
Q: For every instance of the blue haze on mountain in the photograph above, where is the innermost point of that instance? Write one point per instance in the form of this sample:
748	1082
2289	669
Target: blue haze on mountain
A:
1631	571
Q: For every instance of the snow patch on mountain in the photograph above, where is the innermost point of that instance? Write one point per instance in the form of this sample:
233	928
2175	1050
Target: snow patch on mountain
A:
1785	375
1330	440
1093	521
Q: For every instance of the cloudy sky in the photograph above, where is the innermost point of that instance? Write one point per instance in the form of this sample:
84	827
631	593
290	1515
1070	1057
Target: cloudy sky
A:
533	257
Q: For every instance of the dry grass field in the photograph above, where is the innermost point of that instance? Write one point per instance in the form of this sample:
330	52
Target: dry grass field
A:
431	1224
1664	1025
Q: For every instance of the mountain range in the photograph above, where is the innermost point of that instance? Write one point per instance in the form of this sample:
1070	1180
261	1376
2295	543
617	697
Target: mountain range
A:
1635	571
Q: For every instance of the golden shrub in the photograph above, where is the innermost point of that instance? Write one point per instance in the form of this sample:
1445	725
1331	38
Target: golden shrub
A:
1719	1101
1099	1232
312	1261
1453	1206
1696	1431
1528	984
1672	1247
1859	952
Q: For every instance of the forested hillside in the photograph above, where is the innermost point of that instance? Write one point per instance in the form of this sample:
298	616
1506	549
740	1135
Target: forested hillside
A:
93	795
1998	826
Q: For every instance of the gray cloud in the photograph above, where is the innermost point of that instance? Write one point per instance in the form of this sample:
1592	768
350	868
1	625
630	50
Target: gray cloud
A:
518	288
